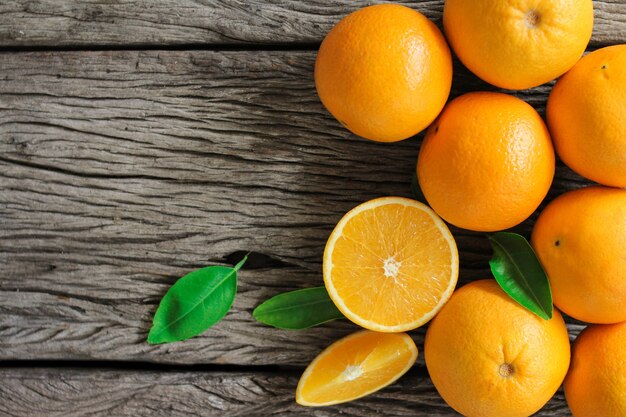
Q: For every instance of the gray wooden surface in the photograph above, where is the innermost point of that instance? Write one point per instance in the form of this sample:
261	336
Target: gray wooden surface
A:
31	391
121	170
124	170
54	23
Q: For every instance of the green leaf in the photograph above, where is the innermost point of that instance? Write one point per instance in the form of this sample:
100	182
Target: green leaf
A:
194	303
416	191
518	271
298	309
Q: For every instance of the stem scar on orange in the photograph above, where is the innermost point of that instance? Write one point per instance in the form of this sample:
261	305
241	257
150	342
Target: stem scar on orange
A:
390	264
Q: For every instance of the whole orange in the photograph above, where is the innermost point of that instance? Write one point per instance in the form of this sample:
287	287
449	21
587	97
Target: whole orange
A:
587	116
487	162
488	356
518	44
580	238
596	382
384	72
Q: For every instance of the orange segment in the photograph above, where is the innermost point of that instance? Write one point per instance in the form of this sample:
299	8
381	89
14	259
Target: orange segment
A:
390	264
355	366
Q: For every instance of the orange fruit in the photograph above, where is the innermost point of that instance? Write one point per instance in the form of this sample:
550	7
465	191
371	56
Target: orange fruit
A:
488	356
587	116
596	382
580	238
390	264
518	44
384	72
487	162
355	366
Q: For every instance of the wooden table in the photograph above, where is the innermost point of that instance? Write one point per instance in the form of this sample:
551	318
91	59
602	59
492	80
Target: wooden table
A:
140	140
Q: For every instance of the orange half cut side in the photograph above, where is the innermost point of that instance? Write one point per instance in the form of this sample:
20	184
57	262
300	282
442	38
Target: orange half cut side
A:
390	264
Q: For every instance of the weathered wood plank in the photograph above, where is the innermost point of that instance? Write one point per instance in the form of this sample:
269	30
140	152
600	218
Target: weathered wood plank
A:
80	392
120	171
53	23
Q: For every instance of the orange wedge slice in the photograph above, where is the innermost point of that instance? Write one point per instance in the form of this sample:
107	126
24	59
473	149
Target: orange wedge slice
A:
390	264
355	366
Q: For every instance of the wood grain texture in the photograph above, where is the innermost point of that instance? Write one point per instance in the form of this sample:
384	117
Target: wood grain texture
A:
78	392
53	23
121	171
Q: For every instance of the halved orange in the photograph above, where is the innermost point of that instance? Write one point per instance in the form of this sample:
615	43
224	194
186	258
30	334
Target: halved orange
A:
390	264
355	366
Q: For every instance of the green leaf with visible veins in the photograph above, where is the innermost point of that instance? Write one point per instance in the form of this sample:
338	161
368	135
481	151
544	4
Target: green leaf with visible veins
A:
298	309
520	274
194	303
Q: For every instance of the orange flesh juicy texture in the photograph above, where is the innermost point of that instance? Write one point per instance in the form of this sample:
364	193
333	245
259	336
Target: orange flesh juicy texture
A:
355	366
390	264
